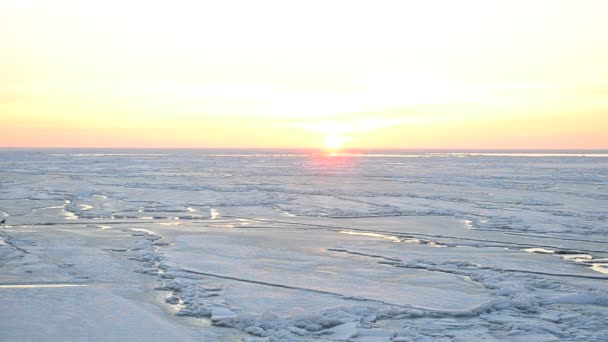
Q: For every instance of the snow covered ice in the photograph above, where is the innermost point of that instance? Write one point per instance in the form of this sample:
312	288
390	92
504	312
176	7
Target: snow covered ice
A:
194	245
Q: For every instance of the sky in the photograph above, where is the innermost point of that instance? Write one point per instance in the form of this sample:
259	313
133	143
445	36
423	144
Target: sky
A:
304	74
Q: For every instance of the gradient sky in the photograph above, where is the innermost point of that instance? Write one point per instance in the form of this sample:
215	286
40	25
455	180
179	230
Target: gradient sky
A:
369	74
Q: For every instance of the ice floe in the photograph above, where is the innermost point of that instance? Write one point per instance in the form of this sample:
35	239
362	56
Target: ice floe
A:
283	246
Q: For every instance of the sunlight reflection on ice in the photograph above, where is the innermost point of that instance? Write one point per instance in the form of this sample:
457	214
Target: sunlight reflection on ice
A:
602	268
214	213
388	237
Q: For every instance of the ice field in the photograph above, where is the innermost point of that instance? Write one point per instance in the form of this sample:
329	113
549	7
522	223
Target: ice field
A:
276	245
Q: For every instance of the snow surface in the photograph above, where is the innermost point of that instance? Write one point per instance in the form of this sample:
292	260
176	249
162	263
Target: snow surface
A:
289	245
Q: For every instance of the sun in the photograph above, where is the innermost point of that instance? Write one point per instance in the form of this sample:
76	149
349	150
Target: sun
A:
333	142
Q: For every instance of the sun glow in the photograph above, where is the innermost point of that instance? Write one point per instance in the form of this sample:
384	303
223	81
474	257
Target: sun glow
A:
334	142
210	66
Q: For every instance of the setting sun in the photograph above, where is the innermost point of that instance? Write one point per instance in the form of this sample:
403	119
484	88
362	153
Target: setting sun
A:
333	142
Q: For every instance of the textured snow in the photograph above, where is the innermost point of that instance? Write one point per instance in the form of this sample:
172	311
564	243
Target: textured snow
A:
284	245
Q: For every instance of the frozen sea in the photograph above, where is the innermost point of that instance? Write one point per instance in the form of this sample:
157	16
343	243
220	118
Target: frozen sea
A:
295	245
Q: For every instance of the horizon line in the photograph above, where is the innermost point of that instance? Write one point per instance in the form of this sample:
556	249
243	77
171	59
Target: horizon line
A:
303	148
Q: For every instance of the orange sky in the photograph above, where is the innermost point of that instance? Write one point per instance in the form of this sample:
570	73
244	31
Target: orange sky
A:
365	74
